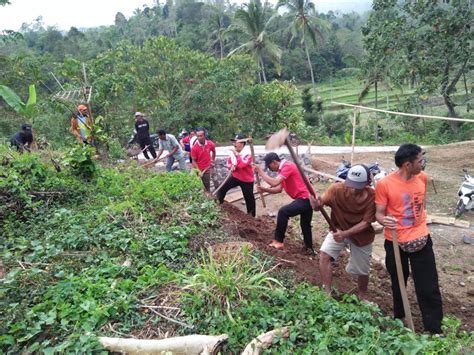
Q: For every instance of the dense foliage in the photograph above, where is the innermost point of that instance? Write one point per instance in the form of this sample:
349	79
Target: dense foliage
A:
82	256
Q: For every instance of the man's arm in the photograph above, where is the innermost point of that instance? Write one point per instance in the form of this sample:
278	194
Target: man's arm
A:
386	221
172	151
158	155
272	190
268	179
213	155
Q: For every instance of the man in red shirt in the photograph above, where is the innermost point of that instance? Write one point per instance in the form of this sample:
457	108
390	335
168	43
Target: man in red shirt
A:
290	180
203	153
240	166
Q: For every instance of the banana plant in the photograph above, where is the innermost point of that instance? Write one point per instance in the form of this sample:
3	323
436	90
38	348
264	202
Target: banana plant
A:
26	110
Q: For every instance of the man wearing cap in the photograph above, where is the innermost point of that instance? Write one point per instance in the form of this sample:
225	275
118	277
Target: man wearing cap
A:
170	143
81	125
203	153
290	180
352	212
240	166
142	135
401	207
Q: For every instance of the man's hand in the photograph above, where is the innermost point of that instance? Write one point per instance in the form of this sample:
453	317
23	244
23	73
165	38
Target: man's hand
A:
315	202
261	189
257	169
233	167
339	236
390	222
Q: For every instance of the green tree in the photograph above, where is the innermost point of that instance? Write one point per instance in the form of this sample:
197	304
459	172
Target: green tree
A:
253	24
425	42
304	25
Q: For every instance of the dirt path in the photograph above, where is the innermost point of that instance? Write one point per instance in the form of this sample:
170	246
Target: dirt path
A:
455	260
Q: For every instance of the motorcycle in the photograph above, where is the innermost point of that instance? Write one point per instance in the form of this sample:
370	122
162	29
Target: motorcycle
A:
466	195
374	169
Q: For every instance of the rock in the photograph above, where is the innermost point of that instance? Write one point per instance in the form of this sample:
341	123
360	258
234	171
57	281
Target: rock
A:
470	279
271	214
461	283
470	292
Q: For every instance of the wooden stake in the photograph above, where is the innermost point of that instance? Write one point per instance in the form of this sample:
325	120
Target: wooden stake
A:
353	136
257	177
401	280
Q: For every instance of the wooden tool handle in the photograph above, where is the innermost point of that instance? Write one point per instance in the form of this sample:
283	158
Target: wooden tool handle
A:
257	177
401	280
308	185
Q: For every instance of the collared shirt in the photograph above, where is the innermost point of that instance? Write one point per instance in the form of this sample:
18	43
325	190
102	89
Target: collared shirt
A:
292	183
243	168
169	144
201	154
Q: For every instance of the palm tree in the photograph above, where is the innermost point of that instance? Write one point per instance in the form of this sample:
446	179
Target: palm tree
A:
218	25
253	24
303	24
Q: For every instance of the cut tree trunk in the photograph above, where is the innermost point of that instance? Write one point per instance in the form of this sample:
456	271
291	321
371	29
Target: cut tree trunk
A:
187	345
264	341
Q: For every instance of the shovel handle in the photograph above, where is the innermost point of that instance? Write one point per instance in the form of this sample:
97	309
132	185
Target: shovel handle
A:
257	177
401	280
308	185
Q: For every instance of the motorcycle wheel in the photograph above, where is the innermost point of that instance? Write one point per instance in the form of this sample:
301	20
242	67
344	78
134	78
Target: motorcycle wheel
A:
459	210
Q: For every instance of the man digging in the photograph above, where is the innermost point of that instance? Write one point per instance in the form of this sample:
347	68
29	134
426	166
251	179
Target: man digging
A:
352	211
290	180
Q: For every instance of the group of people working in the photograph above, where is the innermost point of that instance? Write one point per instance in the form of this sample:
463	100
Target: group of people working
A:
397	203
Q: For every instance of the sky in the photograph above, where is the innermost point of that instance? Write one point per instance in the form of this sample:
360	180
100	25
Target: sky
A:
92	13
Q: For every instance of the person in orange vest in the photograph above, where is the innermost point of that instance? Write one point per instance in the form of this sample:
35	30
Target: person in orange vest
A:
81	125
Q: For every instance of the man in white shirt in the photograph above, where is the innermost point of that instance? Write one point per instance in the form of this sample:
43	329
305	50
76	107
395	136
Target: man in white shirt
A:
170	143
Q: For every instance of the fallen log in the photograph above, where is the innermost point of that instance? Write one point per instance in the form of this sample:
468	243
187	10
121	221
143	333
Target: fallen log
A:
265	340
190	345
335	178
449	221
242	197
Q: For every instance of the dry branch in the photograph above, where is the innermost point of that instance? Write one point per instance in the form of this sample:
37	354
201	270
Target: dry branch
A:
190	345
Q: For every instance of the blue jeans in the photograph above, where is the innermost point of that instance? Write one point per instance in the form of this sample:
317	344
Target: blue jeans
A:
181	162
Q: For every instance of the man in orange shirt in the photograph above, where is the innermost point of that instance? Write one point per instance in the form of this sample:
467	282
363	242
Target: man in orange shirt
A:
400	205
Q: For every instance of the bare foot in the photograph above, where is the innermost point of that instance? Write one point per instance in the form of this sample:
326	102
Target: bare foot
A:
276	244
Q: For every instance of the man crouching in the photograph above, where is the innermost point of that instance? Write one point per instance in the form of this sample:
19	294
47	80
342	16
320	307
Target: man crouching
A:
352	211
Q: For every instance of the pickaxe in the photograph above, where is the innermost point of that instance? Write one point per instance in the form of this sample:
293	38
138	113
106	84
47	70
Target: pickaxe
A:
281	138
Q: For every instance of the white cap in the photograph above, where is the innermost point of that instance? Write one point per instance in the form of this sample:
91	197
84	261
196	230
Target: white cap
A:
138	114
358	177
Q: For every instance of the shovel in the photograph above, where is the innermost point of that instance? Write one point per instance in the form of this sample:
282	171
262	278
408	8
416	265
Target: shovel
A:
401	280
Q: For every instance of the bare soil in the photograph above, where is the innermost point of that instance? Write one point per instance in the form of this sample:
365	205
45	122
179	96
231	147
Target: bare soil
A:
455	260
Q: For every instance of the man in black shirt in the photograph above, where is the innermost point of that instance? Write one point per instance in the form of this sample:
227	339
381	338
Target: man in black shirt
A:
23	139
142	135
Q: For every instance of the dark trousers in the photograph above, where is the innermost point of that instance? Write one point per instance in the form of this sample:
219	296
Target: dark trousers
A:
151	149
206	180
300	207
425	277
247	191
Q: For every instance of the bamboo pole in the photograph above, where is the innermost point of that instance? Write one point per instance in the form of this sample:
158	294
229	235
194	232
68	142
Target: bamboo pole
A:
354	118
403	113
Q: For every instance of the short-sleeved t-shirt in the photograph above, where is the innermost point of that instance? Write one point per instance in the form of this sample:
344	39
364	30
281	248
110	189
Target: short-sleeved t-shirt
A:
201	154
292	183
347	211
169	144
404	200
